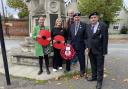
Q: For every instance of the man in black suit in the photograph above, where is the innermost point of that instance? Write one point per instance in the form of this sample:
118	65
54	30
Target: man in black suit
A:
76	37
97	44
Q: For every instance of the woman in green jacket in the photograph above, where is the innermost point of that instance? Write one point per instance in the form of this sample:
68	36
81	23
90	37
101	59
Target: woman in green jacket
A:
41	52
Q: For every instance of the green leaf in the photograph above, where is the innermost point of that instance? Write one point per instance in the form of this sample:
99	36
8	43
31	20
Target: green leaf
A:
107	8
20	5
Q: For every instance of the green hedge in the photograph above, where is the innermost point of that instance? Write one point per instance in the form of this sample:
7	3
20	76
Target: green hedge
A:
124	30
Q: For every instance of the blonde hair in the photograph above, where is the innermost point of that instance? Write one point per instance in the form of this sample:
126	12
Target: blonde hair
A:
58	19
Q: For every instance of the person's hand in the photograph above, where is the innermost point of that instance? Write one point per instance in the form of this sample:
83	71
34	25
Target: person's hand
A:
54	41
38	36
87	51
68	44
49	39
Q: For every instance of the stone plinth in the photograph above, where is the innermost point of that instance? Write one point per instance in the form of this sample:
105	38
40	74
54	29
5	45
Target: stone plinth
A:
27	45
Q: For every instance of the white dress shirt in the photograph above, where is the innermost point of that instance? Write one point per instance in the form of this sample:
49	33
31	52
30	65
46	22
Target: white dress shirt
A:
95	27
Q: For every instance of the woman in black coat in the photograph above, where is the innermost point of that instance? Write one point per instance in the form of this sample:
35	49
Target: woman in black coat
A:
57	30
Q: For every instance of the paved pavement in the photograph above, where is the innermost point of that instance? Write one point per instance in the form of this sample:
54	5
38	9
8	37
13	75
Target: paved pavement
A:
116	74
12	43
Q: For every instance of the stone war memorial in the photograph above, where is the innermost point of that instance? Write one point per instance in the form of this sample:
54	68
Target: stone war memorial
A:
51	9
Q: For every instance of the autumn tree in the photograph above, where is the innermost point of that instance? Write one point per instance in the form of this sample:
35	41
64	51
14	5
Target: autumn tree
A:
20	5
106	8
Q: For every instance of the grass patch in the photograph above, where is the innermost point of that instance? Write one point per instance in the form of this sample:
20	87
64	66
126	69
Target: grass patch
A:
70	75
36	81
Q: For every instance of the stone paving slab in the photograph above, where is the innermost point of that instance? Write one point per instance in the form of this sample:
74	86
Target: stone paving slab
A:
31	72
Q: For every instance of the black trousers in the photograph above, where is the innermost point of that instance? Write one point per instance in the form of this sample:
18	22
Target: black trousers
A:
57	59
68	64
97	65
41	62
81	57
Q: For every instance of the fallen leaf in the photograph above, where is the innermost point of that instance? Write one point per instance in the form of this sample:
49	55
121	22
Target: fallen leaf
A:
76	77
57	78
105	75
104	69
126	80
59	83
113	79
87	75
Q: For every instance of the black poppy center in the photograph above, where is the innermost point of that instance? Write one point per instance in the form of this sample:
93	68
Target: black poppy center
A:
43	37
58	42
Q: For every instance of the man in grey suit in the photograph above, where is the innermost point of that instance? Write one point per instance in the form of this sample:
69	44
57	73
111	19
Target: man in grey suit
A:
77	37
97	44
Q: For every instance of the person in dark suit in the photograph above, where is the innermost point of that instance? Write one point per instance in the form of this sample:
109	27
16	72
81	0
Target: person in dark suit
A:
97	44
77	38
69	22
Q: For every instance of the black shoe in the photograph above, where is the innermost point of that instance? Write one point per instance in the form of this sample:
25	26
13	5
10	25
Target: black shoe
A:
48	72
40	72
81	74
91	79
99	85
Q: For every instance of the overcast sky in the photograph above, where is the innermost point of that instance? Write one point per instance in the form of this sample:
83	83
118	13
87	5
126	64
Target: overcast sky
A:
14	12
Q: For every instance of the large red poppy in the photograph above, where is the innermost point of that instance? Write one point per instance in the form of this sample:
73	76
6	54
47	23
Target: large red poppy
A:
44	40
58	42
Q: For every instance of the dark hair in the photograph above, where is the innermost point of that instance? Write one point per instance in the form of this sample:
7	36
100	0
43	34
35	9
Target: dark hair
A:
44	16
